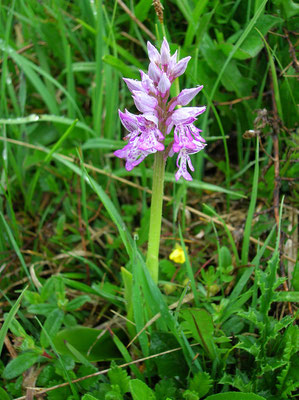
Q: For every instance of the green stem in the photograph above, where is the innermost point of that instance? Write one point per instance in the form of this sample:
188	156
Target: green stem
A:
152	260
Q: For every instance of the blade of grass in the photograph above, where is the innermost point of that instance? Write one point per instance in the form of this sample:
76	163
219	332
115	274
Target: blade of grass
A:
227	231
127	357
7	194
77	355
169	177
189	268
4	61
70	82
274	75
85	212
139	309
227	167
247	230
155	300
16	249
33	118
9	318
98	90
256	261
48	157
115	216
248	272
29	69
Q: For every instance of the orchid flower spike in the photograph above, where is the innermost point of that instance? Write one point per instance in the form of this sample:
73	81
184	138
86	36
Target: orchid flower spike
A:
159	115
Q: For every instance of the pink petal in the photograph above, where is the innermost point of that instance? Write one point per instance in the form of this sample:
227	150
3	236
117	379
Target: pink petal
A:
165	52
187	95
153	53
133	84
154	72
180	67
164	84
144	102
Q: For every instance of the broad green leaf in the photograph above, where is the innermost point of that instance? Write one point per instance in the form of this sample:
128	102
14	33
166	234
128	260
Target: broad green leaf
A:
42	309
140	390
51	326
91	343
231	78
225	258
77	302
235	396
89	397
4	395
289	7
172	364
79	286
252	45
286	296
20	364
200	323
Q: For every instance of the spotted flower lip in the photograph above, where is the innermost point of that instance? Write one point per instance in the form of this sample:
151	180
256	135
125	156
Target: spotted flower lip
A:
144	139
159	116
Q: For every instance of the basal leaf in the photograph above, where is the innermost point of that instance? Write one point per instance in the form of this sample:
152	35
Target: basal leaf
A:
20	364
91	343
51	326
200	323
140	390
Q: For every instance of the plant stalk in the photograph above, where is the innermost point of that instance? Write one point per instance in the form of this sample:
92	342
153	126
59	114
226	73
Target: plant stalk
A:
152	260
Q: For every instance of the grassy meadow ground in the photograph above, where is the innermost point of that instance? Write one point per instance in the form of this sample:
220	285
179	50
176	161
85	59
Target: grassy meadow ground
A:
76	299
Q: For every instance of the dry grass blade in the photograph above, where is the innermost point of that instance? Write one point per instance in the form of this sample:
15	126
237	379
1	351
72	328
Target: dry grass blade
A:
135	19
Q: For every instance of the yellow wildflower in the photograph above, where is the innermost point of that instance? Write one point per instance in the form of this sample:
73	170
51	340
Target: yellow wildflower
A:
177	255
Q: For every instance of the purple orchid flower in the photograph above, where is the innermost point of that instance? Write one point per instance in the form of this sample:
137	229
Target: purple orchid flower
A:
159	116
